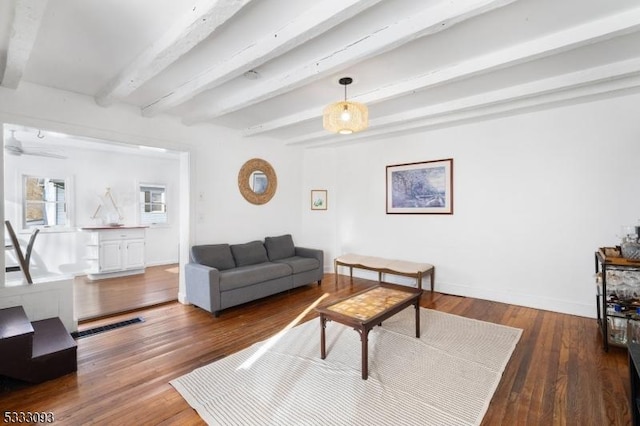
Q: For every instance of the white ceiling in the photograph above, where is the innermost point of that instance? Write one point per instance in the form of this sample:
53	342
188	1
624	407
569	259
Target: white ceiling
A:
415	63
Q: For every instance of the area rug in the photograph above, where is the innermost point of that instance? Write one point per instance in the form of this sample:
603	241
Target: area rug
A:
447	377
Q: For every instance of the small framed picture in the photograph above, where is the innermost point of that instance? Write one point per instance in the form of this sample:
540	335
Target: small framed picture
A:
318	199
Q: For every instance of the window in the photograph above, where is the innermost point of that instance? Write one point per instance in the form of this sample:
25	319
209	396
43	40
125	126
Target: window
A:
45	202
153	204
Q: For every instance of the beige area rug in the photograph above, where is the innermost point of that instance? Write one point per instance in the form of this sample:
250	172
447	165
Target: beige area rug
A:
447	377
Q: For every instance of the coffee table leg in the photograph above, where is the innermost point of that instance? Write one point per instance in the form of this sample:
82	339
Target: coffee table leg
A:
323	324
364	338
418	318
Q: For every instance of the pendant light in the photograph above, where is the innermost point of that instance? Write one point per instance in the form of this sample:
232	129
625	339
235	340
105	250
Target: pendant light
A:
345	117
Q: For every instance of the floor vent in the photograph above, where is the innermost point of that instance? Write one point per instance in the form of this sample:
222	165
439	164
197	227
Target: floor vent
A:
103	328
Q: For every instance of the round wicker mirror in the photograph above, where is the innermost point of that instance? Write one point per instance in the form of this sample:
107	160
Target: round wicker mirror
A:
257	181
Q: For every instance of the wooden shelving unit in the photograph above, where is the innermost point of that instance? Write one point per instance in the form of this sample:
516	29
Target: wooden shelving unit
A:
609	258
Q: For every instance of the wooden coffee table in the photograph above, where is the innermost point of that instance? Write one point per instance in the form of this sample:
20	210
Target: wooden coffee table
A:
365	310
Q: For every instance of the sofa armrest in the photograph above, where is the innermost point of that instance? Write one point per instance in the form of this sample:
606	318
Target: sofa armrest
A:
203	286
309	252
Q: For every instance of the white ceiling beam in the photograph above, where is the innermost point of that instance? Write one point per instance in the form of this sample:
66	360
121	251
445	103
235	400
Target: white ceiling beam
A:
190	29
319	19
572	38
25	26
580	94
381	40
593	81
575	95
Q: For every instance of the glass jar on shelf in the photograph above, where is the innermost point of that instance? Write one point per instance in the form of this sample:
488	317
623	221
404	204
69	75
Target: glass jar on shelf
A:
617	325
624	292
630	246
632	279
614	279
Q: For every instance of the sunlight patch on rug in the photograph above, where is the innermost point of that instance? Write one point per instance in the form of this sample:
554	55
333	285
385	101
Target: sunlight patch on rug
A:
448	376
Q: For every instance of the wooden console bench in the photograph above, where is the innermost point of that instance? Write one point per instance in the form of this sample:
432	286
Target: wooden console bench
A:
387	266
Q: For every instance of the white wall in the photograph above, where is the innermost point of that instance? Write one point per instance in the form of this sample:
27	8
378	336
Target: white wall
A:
534	196
319	226
91	172
223	215
217	212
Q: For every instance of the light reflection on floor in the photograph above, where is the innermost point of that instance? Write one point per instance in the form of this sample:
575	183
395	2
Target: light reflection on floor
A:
274	339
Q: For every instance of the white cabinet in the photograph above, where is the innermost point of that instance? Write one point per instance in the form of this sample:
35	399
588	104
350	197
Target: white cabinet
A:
110	257
115	251
133	254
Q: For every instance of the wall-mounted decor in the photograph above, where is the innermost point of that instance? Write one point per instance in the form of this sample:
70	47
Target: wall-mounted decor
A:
420	188
257	181
318	199
108	211
260	182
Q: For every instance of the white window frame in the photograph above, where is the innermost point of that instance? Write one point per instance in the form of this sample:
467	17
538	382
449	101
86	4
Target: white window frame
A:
68	201
141	204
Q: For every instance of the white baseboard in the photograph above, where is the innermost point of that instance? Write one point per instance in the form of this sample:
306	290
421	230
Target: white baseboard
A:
529	301
512	298
105	275
162	262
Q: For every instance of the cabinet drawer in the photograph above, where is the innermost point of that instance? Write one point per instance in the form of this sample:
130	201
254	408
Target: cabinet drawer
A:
121	234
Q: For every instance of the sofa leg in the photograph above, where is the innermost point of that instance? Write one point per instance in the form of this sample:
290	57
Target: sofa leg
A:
216	314
319	282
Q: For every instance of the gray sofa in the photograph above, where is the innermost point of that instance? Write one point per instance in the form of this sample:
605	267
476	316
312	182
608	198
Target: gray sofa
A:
220	276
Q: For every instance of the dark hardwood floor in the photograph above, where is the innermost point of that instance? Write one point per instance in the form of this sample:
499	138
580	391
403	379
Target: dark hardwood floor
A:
558	373
94	299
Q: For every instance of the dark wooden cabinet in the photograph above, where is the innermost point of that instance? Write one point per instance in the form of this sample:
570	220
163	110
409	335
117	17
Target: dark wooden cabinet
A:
634	368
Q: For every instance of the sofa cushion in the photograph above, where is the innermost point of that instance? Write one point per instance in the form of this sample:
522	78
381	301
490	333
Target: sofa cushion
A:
214	255
249	253
244	276
280	247
300	264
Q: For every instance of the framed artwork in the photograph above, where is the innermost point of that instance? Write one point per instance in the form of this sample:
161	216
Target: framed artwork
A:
420	188
318	199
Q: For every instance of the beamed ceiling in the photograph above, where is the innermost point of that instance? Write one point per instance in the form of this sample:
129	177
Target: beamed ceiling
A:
415	63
